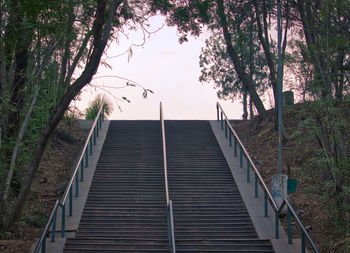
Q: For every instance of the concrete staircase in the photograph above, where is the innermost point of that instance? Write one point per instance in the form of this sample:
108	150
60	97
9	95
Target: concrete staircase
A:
126	207
209	213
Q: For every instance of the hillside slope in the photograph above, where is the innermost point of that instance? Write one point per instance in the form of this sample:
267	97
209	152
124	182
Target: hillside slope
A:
260	139
48	185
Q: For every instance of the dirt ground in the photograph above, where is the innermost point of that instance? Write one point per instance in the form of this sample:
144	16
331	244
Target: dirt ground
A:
65	145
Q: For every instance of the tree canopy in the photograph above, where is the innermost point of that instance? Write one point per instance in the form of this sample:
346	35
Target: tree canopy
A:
49	50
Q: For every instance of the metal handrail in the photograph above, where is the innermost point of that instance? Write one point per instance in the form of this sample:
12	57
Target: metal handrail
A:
91	138
303	230
169	203
260	180
164	156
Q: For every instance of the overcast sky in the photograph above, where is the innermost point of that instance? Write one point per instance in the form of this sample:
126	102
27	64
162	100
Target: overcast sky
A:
167	68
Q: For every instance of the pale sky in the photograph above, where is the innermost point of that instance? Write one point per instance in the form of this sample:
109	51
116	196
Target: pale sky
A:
164	66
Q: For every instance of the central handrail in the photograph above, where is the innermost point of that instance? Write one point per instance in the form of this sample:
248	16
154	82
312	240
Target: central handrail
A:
258	179
90	140
164	156
169	203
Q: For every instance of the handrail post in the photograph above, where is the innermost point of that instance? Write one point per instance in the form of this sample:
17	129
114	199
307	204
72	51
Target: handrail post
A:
94	135
43	246
82	170
256	186
235	145
217	111
230	138
289	218
63	219
87	157
302	242
90	143
277	229
248	172
241	157
266	204
171	213
71	201
222	121
77	184
226	128
53	228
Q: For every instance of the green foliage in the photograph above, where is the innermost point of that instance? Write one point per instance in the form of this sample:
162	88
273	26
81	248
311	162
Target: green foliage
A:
37	216
328	169
94	106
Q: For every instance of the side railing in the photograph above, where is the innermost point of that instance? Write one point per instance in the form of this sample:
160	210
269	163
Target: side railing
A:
76	177
237	144
169	203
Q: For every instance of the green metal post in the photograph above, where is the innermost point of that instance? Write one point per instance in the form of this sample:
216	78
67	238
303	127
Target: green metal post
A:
248	171
256	186
230	138
63	225
241	158
222	121
266	204
97	129
53	230
289	217
87	157
226	128
217	112
90	142
94	135
235	145
82	170
168	221
77	184
277	229
71	201
303	250
43	246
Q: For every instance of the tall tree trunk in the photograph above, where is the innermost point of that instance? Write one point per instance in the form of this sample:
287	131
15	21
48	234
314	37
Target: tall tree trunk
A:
16	149
317	55
20	36
247	83
263	35
101	33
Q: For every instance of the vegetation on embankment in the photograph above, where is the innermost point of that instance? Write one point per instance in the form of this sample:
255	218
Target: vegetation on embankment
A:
49	184
316	153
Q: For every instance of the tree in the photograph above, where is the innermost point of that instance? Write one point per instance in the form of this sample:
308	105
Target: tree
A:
78	32
326	34
190	17
217	66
